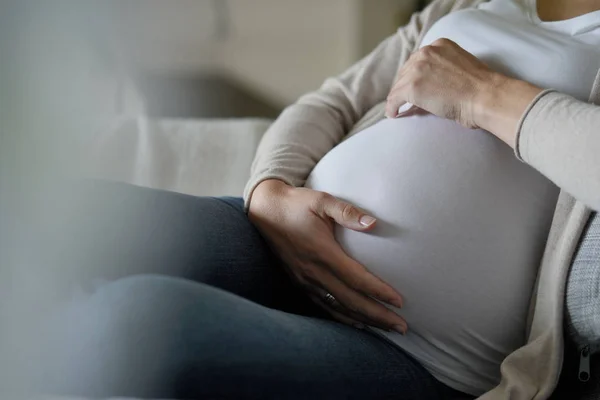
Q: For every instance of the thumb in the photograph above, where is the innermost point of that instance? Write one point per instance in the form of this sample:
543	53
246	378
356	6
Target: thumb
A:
348	215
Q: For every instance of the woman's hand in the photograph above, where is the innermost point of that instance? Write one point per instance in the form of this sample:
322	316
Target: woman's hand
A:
442	79
448	81
299	225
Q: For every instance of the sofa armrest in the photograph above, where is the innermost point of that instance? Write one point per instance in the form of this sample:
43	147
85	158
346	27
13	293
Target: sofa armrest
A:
202	157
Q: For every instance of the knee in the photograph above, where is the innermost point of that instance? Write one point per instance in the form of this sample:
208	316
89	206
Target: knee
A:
122	340
132	314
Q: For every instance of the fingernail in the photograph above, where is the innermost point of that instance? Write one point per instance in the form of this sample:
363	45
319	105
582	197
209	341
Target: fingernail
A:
399	329
358	325
366	220
396	302
404	108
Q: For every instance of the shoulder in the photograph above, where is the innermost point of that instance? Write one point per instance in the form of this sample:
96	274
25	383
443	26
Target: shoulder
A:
437	9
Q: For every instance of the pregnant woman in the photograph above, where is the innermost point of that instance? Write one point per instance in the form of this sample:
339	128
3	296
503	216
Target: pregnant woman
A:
409	257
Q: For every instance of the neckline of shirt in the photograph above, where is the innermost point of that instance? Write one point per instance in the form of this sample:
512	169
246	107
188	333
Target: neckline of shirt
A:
573	26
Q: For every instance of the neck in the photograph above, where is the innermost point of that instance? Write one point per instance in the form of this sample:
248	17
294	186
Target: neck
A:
558	10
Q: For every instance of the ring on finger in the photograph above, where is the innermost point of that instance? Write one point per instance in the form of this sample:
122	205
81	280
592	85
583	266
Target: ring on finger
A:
329	299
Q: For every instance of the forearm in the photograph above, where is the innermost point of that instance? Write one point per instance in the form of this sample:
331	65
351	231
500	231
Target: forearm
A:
553	132
293	145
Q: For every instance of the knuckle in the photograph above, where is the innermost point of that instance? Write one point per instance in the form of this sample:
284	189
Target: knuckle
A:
312	275
348	212
443	42
320	201
356	310
425	53
414	85
352	307
378	294
416	55
370	309
354	282
386	318
380	313
302	282
323	197
306	273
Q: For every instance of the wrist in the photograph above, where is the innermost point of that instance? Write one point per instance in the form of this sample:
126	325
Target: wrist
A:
271	185
267	189
500	105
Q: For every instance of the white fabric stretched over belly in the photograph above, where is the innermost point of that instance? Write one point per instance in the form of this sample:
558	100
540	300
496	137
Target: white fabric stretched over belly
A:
462	224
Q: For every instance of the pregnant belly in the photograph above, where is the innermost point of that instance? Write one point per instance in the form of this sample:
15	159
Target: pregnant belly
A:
461	227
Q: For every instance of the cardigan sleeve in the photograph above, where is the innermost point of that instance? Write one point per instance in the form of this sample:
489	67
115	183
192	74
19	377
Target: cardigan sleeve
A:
560	137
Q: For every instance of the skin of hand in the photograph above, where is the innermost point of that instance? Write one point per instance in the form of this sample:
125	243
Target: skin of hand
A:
298	224
445	80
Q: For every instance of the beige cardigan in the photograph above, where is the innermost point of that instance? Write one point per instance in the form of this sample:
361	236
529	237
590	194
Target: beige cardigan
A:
558	135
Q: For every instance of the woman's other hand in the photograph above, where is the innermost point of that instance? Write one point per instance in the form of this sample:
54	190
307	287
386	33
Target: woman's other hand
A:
299	225
442	79
448	81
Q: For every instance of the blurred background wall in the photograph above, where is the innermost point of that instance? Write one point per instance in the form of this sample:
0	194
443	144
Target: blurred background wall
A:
227	58
222	58
70	67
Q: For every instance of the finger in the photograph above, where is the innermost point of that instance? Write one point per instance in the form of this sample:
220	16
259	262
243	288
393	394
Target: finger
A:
338	311
346	214
410	111
337	315
397	98
405	108
357	277
391	112
448	46
341	313
345	316
344	267
366	321
444	42
362	307
394	109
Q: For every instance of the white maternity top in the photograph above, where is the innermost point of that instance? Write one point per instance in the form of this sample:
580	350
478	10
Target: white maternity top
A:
466	291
